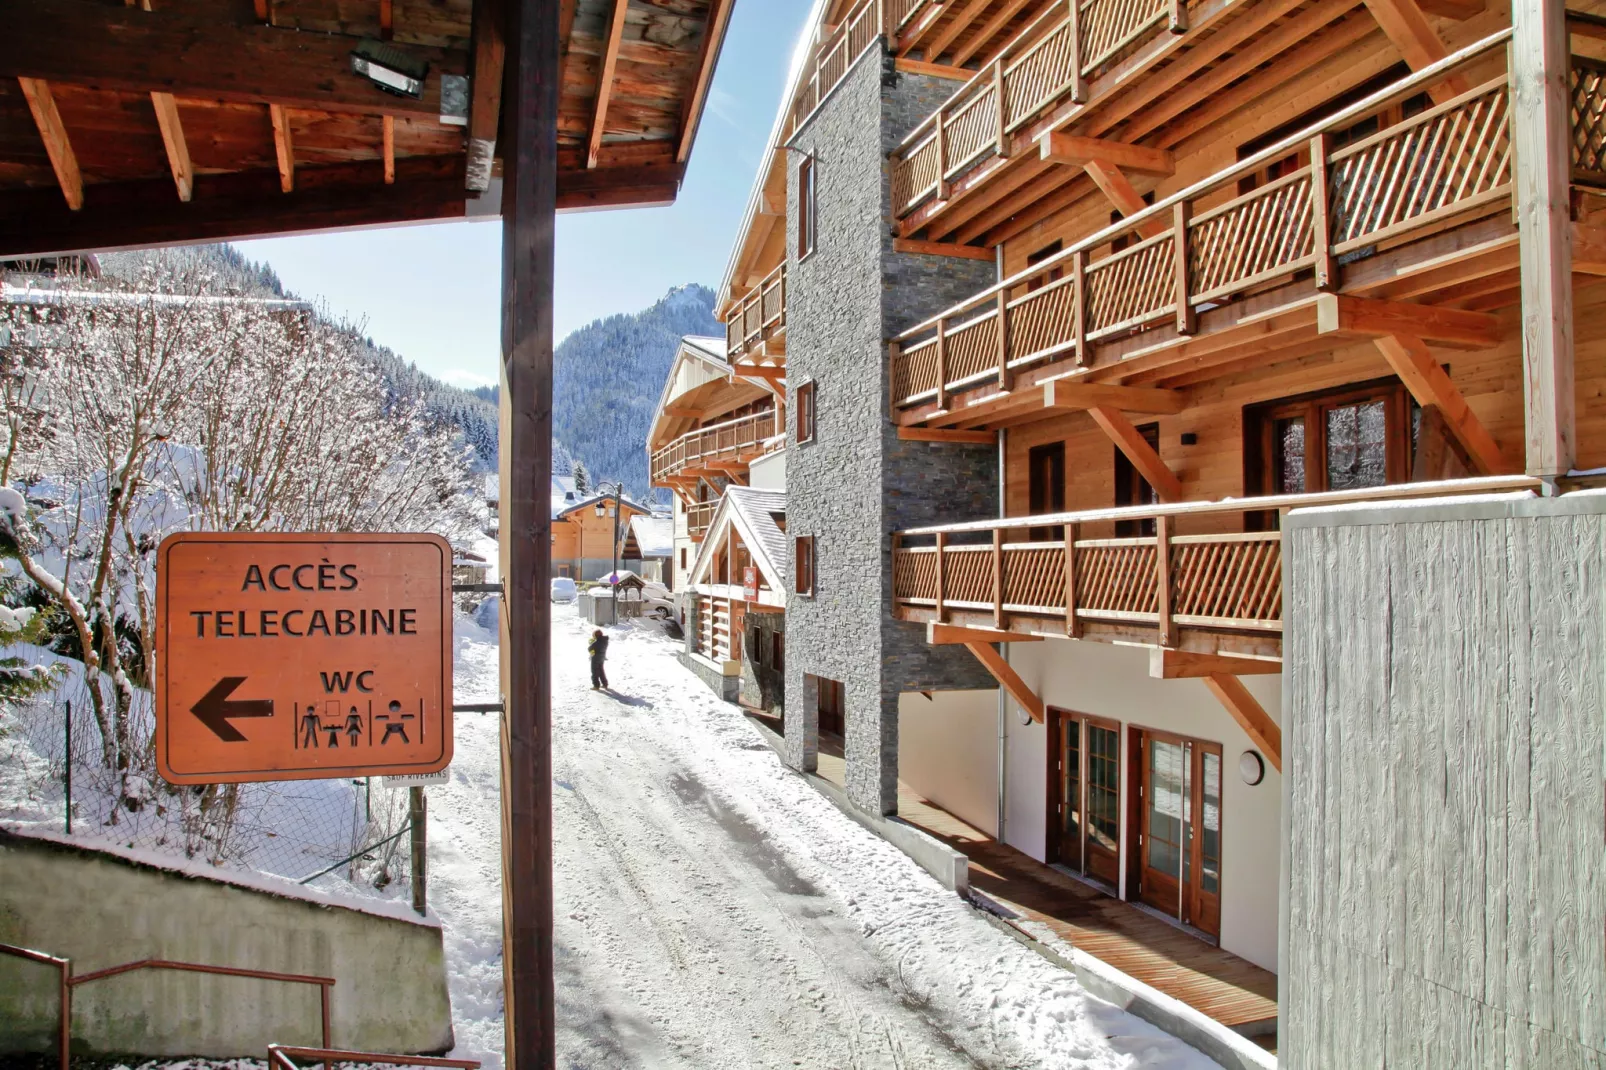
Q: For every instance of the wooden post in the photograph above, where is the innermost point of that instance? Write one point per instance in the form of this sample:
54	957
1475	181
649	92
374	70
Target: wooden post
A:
942	157
1073	627
1079	303
1162	577
1320	208
894	395
942	577
1003	339
1181	213
1542	144
1003	110
1074	32
998	578
418	859
942	363
1178	22
529	203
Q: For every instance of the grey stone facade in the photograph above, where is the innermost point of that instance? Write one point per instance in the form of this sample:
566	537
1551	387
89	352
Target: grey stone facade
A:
763	686
857	482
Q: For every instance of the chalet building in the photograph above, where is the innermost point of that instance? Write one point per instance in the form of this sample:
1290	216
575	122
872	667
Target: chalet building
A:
649	547
586	541
716	431
1067	307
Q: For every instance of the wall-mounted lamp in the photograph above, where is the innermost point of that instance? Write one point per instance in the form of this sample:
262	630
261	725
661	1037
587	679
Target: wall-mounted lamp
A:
1190	438
1252	767
390	68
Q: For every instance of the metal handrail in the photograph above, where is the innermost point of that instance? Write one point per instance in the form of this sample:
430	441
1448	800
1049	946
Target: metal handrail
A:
64	969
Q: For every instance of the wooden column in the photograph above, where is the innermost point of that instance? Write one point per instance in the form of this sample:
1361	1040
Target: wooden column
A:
998	578
1073	13
1181	214
1003	111
529	203
1320	215
1079	305
1541	142
942	577
1162	578
1003	339
1073	626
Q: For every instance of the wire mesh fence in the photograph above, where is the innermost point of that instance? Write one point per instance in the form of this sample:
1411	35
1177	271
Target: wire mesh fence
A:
67	770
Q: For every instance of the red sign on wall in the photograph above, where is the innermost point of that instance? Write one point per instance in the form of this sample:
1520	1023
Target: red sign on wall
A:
750	583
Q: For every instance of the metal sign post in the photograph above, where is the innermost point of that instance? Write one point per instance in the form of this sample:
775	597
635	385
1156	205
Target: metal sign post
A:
290	657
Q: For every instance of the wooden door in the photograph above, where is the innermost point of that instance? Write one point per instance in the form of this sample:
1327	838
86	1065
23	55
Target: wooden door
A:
1085	795
1179	867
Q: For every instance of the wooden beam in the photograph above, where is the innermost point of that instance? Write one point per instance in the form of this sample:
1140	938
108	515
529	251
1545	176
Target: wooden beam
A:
1460	10
1057	147
1070	394
45	116
610	61
759	371
691	113
988	30
178	150
387	127
938	434
1128	201
933	70
1405	25
1426	380
1182	664
957	24
283	146
1008	679
485	91
678	410
1541	140
954	635
1362	315
193	54
1138	451
1250	715
939	248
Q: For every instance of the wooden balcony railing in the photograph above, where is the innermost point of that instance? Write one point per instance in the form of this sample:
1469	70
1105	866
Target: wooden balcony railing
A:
833	57
1050	60
698	518
760	316
1144	589
1207	244
716	444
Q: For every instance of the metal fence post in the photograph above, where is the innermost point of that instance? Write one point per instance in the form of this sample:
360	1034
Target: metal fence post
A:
66	761
416	815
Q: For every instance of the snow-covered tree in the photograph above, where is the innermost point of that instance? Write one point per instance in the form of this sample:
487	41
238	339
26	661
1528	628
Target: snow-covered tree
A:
582	478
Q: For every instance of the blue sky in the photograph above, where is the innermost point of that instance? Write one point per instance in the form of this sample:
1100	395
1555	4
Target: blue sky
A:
432	293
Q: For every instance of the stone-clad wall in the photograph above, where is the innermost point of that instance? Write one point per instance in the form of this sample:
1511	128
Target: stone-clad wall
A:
857	481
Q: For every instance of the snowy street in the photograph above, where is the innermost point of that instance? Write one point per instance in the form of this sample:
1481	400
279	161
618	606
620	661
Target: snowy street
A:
715	911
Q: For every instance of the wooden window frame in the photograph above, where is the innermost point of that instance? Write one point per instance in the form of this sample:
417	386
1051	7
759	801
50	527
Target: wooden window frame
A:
803	565
1056	721
803	408
1137	842
808	208
1260	430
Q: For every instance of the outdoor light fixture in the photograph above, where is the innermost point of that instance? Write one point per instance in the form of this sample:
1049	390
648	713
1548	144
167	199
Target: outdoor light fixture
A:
390	68
1251	767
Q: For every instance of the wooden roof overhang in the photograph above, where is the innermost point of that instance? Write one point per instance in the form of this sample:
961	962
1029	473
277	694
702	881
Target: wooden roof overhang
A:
191	120
1278	58
702	404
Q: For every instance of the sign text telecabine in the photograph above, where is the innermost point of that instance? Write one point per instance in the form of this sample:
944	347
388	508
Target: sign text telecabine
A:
289	656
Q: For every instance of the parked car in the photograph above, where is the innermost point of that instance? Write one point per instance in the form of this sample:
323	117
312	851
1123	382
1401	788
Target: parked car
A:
563	589
657	601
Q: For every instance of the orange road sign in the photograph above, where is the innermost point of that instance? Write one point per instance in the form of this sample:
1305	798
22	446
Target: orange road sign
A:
295	657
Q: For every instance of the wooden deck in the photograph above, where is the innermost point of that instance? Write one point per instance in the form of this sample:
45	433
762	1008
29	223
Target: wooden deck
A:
1229	989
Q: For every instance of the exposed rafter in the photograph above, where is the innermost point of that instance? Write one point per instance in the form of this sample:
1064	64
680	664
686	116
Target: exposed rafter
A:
610	61
283	146
178	150
54	134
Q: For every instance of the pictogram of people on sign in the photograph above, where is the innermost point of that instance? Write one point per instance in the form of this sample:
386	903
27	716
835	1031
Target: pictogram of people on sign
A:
331	728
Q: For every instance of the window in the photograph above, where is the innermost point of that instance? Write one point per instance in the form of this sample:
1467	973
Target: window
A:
1347	439
1132	489
1055	273
778	651
1045	468
683	558
803	564
805	413
830	703
805	207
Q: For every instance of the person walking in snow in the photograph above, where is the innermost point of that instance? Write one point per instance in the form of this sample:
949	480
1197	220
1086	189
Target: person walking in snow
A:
598	649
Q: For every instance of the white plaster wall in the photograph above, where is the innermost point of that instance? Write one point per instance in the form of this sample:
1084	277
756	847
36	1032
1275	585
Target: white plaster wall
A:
948	752
768	472
1113	681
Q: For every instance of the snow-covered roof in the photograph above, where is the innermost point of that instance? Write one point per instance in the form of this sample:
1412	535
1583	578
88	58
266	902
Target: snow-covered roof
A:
564	507
655	535
563	494
752	513
710	344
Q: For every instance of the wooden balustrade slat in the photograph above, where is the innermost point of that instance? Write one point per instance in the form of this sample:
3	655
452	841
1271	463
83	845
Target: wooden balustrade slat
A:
1073	625
998	578
1162	578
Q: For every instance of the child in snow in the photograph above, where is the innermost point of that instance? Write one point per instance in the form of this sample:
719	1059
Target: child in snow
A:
598	649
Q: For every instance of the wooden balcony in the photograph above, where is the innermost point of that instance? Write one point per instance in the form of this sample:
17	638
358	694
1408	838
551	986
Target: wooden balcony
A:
718	450
699	516
1210	593
1212	275
755	336
830	60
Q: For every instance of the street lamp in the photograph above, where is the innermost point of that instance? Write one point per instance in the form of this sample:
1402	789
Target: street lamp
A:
618	491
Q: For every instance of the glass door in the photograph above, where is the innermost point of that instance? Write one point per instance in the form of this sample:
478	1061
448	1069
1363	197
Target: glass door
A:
1085	825
1180	870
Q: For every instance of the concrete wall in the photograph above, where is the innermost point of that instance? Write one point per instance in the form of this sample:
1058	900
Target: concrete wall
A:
1110	681
856	482
1445	869
768	472
948	752
102	910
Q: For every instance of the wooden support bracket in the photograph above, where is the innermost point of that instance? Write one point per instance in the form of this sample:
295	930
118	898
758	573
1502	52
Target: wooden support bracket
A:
1114	184
1130	442
1404	24
1008	679
1250	715
1413	362
54	134
1363	315
1056	147
954	635
1182	664
942	248
1069	394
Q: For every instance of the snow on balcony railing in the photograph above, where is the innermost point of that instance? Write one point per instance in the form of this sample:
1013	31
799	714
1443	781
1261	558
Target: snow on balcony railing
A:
1207	244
